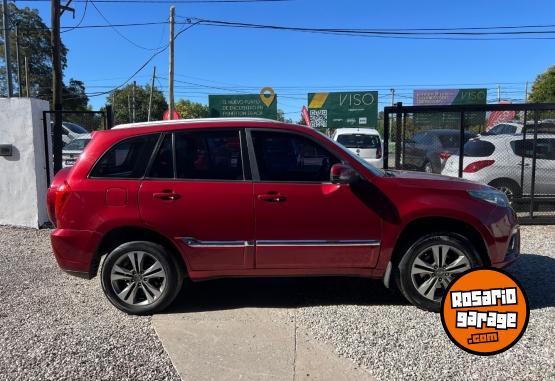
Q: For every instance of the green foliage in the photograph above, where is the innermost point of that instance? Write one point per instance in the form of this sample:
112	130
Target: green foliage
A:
191	110
281	117
543	90
34	42
122	104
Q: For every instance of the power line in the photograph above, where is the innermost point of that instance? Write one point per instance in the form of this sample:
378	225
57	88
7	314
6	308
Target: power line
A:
168	1
398	34
80	21
121	34
142	66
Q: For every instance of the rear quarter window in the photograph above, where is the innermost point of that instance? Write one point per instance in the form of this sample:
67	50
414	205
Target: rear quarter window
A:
127	159
478	148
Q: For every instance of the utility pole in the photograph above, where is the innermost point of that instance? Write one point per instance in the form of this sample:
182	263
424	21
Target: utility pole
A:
526	93
392	97
170	90
134	86
56	85
18	61
56	10
128	107
498	93
5	19
151	93
27	78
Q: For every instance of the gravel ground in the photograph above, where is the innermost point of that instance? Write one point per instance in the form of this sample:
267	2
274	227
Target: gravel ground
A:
393	340
55	326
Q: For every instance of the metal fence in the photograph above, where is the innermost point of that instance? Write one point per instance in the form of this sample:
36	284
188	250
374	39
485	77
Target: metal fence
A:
508	146
75	126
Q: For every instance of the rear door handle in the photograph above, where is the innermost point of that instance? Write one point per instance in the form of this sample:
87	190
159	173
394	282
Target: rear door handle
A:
272	197
166	195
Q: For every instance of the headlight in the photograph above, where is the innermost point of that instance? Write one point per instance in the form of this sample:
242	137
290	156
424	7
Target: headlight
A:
491	195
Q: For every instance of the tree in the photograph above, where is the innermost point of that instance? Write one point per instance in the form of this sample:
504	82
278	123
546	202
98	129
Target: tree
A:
543	90
34	42
281	117
122	104
74	96
191	110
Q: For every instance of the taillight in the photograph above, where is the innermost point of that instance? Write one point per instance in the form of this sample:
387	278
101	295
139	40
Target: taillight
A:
444	155
379	153
478	165
62	194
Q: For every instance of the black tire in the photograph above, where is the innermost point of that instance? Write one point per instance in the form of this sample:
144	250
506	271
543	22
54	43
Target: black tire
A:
428	167
423	247
170	284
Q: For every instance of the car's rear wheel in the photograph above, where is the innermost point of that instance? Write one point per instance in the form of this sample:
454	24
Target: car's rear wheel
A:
431	264
140	277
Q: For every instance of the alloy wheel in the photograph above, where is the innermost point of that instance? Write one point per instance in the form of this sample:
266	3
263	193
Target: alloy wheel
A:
435	267
138	278
508	192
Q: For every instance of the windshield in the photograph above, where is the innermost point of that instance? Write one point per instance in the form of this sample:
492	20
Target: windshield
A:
75	128
77	145
359	140
367	165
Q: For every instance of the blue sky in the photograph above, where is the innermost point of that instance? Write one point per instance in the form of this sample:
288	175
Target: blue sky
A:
297	63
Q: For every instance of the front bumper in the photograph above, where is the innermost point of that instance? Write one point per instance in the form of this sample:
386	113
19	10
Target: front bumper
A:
513	250
74	250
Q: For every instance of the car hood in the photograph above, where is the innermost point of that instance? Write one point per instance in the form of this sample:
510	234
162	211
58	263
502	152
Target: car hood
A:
431	180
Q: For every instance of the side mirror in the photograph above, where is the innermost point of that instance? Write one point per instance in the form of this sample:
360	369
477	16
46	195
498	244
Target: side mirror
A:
343	174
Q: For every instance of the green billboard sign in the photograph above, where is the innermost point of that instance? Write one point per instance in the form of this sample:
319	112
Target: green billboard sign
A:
449	97
243	106
343	109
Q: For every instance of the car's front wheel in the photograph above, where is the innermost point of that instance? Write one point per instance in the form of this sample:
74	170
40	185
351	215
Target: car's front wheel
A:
430	264
140	277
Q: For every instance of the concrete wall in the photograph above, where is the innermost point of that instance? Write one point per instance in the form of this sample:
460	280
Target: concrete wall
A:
23	175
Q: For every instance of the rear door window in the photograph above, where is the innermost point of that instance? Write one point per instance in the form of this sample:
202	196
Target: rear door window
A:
363	141
478	148
208	155
127	159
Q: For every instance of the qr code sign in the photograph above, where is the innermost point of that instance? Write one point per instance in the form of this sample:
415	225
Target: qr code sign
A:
319	118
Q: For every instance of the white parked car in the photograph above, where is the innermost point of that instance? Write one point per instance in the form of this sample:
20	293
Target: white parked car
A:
498	161
365	142
69	131
72	150
509	128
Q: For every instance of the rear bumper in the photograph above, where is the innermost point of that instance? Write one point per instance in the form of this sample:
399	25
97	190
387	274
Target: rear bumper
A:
74	250
378	163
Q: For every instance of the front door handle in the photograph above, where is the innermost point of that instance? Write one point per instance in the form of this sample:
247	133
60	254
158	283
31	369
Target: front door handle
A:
166	195
272	197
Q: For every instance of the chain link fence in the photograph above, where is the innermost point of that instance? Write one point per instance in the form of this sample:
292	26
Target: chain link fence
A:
510	147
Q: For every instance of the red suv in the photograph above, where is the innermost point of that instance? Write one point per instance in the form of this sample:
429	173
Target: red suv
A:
251	197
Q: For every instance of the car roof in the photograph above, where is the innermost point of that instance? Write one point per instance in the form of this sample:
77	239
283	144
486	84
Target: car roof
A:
179	122
360	130
83	136
444	131
511	137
